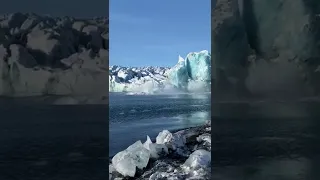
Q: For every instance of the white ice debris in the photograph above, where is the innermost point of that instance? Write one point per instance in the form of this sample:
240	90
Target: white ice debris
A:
155	149
172	141
198	159
159	160
135	156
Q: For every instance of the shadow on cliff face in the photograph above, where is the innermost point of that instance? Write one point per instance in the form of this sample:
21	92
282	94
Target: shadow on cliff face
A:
250	22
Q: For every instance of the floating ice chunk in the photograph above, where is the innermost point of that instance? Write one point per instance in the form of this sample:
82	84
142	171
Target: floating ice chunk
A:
172	141
198	159
155	149
136	155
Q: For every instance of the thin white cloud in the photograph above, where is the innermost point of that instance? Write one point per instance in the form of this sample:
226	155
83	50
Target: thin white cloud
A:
127	18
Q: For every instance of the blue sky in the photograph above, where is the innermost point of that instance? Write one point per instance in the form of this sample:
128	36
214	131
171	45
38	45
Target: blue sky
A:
154	33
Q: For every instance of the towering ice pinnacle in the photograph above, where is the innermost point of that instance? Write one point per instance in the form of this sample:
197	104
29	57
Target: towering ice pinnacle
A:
180	59
190	74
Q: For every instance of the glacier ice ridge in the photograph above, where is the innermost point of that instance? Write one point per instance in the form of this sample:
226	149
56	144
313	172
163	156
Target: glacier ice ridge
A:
190	74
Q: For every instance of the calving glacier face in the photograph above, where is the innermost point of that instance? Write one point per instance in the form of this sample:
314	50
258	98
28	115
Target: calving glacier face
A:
190	74
199	66
178	75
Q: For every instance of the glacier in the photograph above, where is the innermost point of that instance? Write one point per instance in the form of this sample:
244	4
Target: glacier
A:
192	74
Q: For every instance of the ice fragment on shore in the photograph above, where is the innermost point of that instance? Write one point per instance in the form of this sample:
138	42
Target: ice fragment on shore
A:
163	137
198	159
172	141
136	155
155	149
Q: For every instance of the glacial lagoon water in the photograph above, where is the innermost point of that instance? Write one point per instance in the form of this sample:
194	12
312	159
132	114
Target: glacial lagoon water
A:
266	140
41	141
133	117
260	140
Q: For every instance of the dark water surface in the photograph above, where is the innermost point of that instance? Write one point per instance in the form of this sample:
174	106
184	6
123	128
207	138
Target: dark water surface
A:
133	117
251	141
266	141
53	142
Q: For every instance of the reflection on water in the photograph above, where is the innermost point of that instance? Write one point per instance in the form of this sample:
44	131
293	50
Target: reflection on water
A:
266	141
132	118
193	119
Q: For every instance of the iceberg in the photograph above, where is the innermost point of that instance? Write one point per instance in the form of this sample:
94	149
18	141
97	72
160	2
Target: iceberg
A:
192	74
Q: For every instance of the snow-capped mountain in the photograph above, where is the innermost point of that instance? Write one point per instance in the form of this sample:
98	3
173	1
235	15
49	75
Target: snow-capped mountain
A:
190	74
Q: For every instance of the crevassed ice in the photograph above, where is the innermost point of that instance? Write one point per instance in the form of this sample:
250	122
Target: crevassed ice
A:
199	66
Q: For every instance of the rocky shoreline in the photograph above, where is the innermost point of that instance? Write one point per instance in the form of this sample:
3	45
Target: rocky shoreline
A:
185	154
